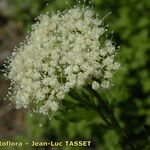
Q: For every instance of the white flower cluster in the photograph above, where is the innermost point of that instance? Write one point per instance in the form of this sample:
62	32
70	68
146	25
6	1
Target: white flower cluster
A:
62	52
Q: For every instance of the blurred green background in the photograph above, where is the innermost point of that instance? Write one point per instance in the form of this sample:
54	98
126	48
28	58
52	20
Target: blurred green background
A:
129	98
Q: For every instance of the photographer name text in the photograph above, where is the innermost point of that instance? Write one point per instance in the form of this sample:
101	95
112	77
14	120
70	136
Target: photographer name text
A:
45	143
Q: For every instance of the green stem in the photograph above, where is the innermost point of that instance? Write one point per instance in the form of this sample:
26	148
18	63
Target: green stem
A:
107	114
